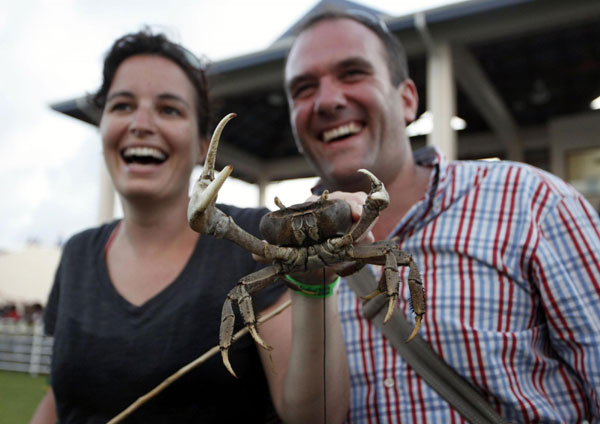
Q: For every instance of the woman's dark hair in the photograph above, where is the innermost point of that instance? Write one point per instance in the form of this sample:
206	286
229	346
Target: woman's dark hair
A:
145	42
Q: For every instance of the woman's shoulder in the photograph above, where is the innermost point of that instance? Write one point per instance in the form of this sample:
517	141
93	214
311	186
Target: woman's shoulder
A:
243	216
91	236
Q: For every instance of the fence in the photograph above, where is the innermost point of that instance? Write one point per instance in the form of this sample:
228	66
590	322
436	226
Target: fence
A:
24	347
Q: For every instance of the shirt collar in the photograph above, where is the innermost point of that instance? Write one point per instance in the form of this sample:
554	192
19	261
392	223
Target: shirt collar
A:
430	205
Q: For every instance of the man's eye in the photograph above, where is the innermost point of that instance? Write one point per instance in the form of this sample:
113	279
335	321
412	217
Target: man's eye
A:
352	74
302	90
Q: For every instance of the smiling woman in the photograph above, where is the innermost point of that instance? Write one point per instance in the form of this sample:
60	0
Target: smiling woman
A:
150	131
136	299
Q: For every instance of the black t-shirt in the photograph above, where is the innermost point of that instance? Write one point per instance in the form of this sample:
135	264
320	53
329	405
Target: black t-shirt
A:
108	352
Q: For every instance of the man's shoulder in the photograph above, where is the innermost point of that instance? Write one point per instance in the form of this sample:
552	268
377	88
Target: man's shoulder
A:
520	175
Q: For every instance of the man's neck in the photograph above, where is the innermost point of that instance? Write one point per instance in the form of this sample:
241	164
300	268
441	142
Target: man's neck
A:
405	191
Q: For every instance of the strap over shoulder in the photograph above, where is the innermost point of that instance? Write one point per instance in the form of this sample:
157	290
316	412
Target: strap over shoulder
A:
458	392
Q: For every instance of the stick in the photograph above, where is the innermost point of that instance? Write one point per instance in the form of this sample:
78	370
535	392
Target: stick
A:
186	368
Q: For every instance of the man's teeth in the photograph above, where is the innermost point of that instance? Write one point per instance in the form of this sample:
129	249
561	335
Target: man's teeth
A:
147	152
341	131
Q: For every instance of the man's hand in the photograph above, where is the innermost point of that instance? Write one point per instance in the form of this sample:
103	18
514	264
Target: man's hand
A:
356	201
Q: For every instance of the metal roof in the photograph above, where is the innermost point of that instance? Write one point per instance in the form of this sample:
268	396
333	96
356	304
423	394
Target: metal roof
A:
518	64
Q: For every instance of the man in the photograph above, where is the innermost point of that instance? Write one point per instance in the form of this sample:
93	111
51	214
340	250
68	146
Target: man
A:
510	255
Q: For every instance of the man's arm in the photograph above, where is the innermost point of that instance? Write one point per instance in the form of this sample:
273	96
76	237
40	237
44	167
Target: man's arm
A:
566	267
307	369
305	346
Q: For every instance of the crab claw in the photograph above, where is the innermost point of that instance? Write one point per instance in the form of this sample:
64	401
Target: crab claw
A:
377	200
203	200
378	196
415	331
206	189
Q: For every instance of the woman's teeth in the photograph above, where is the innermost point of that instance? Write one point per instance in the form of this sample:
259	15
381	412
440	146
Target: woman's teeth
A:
143	155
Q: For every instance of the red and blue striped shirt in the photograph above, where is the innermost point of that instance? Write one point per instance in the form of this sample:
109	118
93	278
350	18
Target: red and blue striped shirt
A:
510	259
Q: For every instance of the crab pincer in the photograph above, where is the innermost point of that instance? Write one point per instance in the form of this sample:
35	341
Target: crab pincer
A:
201	208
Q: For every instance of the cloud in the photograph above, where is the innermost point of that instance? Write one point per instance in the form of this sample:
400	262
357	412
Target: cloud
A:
49	183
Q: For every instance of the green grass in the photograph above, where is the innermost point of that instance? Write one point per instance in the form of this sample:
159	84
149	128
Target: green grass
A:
20	394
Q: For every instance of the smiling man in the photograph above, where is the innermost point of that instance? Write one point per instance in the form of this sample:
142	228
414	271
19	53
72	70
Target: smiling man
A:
510	255
345	109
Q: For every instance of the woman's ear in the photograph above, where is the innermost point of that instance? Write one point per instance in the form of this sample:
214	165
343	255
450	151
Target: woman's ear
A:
410	98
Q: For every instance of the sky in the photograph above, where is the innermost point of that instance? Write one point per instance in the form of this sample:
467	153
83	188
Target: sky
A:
52	50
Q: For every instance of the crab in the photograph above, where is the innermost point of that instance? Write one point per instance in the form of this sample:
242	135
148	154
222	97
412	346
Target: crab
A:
300	238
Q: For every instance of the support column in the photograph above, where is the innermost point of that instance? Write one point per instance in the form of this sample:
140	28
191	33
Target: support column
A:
441	99
107	196
262	192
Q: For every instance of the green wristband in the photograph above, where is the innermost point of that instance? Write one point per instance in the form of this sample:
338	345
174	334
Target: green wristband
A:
318	292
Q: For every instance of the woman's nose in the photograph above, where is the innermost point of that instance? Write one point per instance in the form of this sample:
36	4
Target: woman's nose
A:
142	122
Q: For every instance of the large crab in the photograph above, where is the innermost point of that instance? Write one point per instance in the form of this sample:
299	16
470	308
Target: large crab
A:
303	237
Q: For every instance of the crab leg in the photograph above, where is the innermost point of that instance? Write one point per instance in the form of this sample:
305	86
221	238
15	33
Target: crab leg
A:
241	294
417	296
388	284
386	253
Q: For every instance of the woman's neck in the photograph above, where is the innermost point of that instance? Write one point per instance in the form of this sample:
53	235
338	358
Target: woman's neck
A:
156	224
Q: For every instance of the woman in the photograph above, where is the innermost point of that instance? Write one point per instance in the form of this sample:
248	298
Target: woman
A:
136	299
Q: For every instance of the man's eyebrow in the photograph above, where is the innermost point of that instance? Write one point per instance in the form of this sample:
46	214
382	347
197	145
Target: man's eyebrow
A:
342	64
298	79
354	61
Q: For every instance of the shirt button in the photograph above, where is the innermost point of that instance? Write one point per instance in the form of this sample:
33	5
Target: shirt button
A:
389	382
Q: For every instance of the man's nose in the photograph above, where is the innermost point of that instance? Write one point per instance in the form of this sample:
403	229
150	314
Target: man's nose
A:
330	98
142	123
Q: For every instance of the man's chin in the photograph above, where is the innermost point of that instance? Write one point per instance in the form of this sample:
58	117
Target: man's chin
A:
349	179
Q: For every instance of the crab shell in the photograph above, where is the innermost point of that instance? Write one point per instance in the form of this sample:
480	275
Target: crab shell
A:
307	223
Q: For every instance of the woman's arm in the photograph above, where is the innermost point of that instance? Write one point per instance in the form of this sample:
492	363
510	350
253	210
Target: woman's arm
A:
307	369
46	410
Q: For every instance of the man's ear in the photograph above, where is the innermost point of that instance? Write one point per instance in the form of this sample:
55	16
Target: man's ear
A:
410	98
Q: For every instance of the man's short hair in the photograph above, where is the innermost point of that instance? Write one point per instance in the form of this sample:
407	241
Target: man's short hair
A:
394	50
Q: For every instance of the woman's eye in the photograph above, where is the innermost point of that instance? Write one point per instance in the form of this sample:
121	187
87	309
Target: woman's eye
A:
170	110
120	106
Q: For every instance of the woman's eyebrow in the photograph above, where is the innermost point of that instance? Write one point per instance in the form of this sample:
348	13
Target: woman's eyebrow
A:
123	93
171	96
164	96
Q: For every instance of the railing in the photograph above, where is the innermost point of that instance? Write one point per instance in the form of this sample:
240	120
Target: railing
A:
24	347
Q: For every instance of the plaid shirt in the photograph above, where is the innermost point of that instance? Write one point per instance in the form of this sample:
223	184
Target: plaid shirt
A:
510	259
